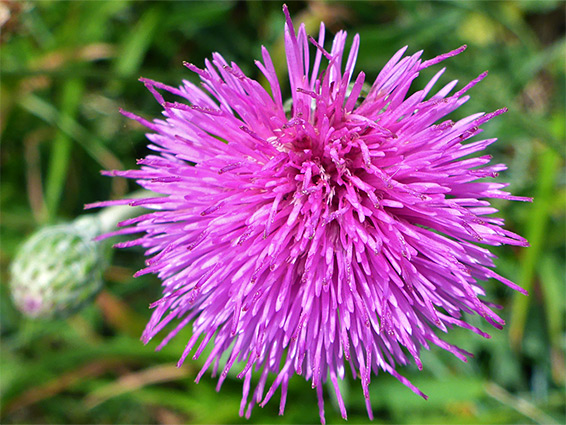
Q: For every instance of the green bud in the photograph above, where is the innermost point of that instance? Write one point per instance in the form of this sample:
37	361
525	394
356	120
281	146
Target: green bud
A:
59	269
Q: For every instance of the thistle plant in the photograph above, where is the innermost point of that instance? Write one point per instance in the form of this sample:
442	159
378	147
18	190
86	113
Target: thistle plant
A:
341	233
58	270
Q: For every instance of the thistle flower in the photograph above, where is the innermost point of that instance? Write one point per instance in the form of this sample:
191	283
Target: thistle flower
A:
343	232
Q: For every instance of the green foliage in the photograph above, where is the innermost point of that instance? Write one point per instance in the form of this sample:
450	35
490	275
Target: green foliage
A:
67	68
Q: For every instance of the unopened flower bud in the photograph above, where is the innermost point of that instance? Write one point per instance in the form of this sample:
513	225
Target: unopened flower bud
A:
59	269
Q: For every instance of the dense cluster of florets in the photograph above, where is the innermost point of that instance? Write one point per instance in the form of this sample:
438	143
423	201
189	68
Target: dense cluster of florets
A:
342	232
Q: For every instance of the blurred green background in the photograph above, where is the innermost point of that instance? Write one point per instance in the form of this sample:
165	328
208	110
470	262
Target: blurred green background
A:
66	69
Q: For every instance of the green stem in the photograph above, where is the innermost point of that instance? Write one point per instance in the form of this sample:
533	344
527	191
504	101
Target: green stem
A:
61	148
110	216
548	165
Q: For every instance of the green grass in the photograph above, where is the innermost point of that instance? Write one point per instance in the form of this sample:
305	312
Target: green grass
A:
66	69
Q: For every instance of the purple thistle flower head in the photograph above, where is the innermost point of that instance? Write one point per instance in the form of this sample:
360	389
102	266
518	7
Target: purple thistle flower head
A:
344	231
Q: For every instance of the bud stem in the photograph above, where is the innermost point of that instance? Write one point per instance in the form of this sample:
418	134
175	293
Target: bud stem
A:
109	217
